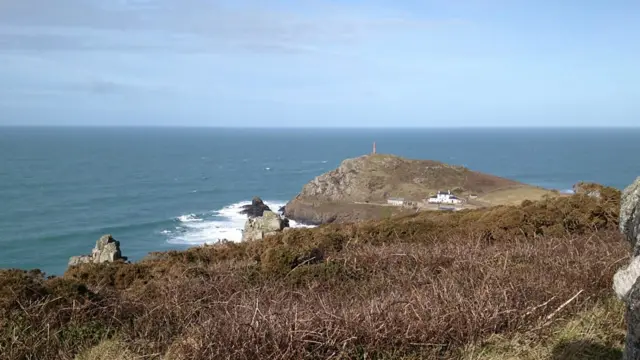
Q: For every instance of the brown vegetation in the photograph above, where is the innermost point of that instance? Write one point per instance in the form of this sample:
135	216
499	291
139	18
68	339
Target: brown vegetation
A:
428	285
415	178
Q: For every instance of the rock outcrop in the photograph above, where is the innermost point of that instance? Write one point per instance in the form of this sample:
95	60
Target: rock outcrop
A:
269	223
630	215
255	209
107	249
590	189
624	278
369	180
625	282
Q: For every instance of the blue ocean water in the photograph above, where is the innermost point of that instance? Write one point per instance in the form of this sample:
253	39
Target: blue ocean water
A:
170	188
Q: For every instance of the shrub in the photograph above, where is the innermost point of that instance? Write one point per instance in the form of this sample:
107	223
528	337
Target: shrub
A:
425	285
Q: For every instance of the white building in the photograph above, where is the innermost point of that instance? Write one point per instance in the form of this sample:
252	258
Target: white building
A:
444	198
395	201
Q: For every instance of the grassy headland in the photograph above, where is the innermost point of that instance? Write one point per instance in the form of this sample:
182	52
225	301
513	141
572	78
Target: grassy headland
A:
511	282
351	192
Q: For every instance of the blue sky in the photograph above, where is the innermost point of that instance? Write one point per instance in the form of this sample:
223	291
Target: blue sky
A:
320	63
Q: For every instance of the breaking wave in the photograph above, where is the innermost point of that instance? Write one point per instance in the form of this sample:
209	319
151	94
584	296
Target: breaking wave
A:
224	224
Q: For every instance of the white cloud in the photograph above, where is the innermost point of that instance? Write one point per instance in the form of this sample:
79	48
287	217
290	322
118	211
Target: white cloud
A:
149	25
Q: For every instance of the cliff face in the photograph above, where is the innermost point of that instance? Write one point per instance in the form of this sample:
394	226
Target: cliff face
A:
625	281
333	196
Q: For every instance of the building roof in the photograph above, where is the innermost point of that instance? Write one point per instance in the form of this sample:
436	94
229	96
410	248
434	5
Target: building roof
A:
396	199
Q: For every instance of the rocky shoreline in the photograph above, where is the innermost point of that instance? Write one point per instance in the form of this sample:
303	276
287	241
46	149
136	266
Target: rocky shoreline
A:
261	222
575	239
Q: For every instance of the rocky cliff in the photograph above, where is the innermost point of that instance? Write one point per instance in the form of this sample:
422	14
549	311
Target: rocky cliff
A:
625	281
349	192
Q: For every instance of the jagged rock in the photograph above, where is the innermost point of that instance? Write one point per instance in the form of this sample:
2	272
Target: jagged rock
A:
82	259
255	209
107	249
632	317
630	215
625	281
259	227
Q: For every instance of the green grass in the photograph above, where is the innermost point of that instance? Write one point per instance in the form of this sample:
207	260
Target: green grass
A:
593	334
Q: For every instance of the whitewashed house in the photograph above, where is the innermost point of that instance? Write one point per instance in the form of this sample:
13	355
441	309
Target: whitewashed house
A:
444	198
395	201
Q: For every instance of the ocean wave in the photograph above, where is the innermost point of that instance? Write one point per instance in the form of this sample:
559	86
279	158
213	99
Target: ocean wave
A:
189	218
223	224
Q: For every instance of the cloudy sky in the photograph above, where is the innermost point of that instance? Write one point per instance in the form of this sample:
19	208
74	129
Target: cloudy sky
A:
320	63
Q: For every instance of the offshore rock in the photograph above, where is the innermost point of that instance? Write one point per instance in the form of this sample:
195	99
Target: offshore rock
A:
107	249
269	223
255	209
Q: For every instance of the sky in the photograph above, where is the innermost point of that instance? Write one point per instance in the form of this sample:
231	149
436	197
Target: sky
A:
320	63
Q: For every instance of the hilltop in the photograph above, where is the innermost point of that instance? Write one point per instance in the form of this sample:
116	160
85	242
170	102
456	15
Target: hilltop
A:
355	189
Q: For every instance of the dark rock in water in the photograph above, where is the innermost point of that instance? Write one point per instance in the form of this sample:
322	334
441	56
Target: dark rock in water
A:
255	209
282	209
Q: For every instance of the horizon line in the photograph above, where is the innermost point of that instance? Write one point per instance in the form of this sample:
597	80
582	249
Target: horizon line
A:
319	127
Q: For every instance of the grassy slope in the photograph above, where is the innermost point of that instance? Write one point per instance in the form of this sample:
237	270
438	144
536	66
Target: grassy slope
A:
514	195
593	334
483	284
380	176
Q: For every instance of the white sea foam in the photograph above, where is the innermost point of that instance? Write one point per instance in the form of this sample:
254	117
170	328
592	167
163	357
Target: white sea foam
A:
226	223
189	218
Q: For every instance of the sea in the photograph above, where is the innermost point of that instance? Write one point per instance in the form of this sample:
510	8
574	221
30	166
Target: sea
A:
156	189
